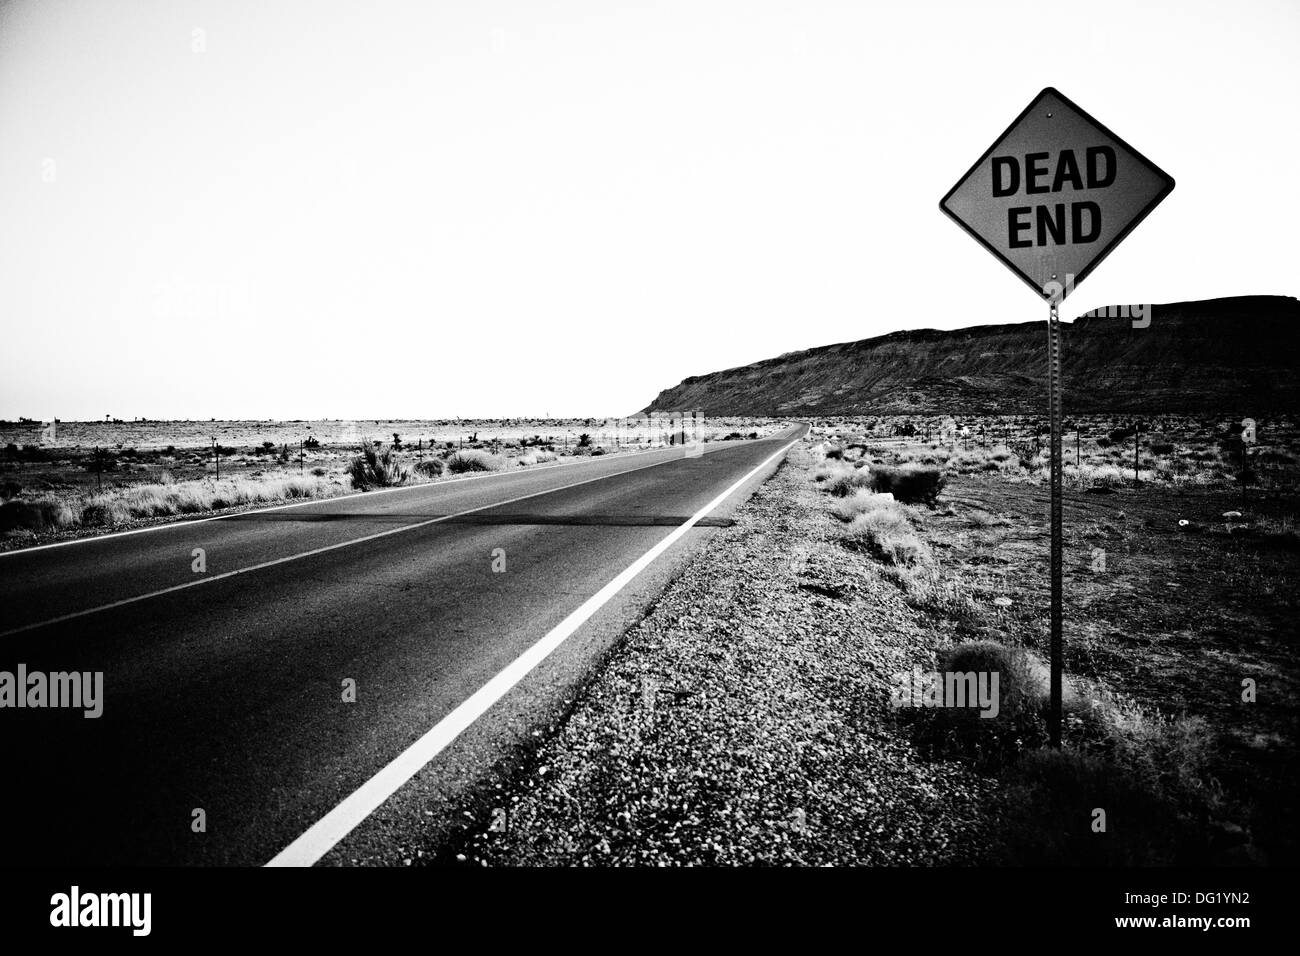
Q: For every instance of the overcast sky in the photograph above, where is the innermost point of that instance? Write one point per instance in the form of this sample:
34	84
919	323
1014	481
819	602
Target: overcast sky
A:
317	208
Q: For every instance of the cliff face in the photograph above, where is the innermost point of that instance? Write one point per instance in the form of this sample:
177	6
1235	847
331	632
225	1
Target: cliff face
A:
1217	356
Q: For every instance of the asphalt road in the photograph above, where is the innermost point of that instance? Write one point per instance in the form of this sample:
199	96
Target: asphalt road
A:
225	689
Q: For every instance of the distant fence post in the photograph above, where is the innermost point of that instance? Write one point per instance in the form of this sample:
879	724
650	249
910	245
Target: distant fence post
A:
1137	445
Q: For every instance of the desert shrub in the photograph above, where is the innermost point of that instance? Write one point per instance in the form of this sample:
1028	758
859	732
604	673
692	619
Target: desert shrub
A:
840	479
105	511
46	514
598	451
429	467
1149	772
963	728
544	455
1161	448
1103	442
471	460
834	453
319	472
1046	812
536	457
887	536
1095	476
912	484
1023	679
881	526
158	500
1165	755
376	468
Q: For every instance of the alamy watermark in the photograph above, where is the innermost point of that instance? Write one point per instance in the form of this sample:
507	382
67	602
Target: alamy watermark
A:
1140	314
77	908
77	690
964	689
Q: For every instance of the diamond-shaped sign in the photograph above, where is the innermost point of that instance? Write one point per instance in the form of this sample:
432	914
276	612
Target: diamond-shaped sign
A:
1055	194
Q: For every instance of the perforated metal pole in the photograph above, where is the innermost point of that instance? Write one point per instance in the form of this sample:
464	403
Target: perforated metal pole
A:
1057	547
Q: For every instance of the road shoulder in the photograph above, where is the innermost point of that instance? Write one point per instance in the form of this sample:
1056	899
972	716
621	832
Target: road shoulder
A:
745	720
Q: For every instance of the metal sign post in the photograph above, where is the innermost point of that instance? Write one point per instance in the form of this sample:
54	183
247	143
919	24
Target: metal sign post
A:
1053	195
1058	542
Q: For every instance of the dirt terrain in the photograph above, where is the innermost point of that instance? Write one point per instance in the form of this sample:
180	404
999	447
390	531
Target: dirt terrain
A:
1174	616
747	719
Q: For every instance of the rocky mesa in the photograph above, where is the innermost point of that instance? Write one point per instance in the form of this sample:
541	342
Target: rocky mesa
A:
1227	356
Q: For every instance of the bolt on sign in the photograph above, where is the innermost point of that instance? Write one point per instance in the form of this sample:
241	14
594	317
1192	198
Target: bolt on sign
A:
1055	194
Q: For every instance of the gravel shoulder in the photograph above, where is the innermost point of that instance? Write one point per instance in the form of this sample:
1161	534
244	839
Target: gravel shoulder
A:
746	720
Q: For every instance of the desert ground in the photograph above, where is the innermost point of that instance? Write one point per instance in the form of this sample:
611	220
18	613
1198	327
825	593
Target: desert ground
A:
87	477
749	718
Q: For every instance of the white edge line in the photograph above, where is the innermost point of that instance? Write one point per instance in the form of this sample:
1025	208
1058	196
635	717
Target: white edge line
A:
331	547
323	835
166	526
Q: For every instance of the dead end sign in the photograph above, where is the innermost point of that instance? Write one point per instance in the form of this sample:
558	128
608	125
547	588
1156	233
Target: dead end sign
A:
1055	194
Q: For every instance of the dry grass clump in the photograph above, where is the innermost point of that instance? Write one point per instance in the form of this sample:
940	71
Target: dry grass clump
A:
841	479
1146	771
881	525
536	458
158	500
46	514
470	459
